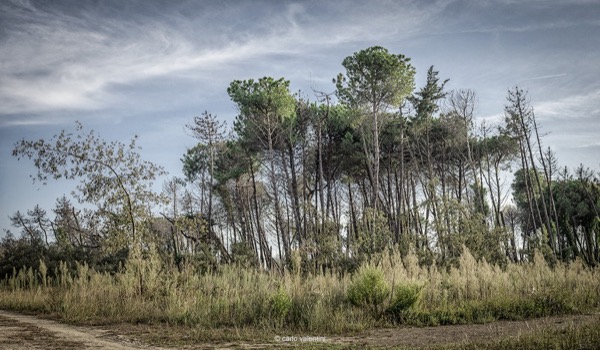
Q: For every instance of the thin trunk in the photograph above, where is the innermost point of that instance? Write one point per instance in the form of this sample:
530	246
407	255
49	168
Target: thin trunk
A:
296	197
352	213
537	179
279	230
375	199
528	190
266	253
320	175
369	166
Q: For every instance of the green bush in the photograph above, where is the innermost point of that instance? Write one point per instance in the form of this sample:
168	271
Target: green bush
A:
281	303
405	297
368	288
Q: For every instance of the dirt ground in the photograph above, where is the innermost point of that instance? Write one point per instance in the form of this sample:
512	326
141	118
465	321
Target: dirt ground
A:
19	332
28	332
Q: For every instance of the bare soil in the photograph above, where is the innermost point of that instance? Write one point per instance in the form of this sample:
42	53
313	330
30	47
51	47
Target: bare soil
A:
19	332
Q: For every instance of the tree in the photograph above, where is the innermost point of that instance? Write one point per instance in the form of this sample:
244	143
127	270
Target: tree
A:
69	238
462	104
210	132
577	201
426	100
264	105
239	189
429	143
35	225
22	253
375	81
520	122
111	175
77	229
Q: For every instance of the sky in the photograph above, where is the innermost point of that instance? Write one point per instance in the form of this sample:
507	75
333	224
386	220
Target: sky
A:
146	68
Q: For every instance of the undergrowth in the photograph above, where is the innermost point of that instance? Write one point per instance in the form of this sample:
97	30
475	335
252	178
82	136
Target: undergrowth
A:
396	290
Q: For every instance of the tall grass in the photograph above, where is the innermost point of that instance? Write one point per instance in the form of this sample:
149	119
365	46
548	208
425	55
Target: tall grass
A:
147	290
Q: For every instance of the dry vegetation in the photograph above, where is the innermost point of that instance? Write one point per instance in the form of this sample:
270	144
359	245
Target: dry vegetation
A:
386	293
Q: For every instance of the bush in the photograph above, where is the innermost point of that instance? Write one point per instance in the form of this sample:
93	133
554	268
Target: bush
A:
405	297
281	303
368	288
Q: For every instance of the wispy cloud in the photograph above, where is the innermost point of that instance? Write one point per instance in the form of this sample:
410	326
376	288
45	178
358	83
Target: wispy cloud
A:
514	16
544	77
584	106
53	59
71	62
18	121
56	59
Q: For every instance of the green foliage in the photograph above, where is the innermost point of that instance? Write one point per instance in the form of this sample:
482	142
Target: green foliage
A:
233	162
405	296
327	246
577	203
368	288
519	187
243	255
374	235
375	77
22	253
281	303
426	100
195	162
263	105
111	176
480	204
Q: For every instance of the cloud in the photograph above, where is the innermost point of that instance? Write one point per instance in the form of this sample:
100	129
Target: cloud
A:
61	61
514	16
544	77
20	120
57	59
584	106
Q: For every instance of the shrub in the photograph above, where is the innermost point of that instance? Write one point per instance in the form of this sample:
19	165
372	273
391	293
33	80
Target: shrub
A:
405	297
281	303
368	288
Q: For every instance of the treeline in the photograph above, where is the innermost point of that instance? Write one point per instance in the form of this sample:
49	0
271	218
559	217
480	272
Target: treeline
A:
328	184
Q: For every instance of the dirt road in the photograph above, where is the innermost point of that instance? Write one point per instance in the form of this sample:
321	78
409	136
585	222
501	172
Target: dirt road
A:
18	332
28	332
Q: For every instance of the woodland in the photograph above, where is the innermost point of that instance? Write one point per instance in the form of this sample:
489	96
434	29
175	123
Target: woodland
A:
378	202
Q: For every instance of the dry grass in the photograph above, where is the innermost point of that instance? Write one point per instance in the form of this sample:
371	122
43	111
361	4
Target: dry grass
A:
148	291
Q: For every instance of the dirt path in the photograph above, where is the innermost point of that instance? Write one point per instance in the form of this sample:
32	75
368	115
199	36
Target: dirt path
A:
445	335
28	332
19	332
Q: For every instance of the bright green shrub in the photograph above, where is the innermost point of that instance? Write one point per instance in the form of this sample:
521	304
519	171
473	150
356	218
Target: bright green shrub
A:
281	303
368	288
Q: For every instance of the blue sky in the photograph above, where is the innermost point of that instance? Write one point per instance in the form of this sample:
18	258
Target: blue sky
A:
148	67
